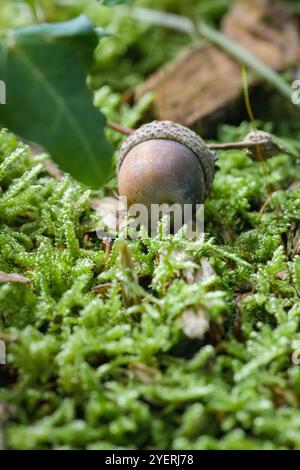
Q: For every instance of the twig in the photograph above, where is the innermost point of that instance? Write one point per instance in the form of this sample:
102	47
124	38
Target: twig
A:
226	146
121	129
234	145
242	145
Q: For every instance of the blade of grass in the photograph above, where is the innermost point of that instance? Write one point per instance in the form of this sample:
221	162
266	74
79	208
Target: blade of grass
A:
247	97
265	171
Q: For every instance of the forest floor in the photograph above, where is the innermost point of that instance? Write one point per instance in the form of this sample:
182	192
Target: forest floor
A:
101	347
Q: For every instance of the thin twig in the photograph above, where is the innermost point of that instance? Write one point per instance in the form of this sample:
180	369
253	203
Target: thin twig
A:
242	145
224	146
235	145
121	129
246	145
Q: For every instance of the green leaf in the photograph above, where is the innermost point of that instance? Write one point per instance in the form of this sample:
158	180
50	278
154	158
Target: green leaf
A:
47	100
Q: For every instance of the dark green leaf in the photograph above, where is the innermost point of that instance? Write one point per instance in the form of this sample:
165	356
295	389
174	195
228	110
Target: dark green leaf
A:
45	69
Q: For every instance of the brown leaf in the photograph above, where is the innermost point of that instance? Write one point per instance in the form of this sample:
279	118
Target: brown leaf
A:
265	28
5	277
203	83
200	81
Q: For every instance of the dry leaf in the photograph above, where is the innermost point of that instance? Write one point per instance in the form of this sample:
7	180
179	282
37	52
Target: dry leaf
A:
265	28
203	83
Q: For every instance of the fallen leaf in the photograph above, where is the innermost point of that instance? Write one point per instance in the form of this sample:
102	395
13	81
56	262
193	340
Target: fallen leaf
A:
203	83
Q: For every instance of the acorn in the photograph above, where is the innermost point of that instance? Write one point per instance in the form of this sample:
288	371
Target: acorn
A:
165	163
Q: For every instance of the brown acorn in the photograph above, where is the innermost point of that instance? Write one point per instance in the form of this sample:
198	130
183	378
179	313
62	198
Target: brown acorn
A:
165	163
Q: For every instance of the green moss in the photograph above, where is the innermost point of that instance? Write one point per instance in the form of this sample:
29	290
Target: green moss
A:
116	369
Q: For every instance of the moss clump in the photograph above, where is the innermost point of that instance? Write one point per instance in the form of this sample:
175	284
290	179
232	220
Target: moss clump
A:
122	368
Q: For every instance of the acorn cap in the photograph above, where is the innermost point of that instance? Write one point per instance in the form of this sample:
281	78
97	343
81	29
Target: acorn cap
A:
170	131
266	146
